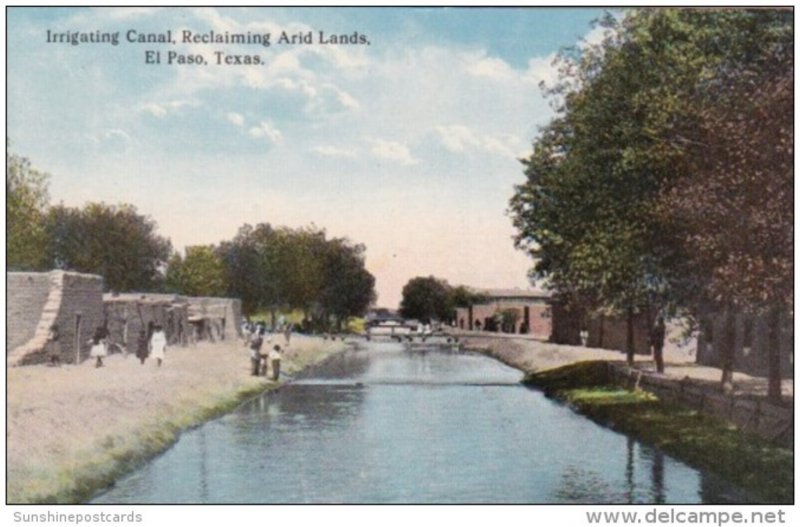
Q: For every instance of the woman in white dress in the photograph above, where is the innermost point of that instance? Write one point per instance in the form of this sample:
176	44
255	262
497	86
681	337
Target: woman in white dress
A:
158	344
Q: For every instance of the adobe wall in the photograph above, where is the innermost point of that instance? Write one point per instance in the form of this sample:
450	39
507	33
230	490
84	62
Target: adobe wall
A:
74	302
26	294
222	315
612	333
129	314
751	344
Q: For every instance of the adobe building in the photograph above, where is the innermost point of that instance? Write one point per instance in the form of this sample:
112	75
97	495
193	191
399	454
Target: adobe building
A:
520	311
128	314
184	318
37	301
751	343
611	332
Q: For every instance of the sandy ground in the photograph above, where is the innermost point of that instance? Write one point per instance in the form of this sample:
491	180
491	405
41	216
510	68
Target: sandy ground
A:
72	429
530	355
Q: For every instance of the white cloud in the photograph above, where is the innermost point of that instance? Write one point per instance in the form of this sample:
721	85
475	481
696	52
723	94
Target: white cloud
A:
491	68
542	69
113	141
392	151
235	119
266	130
156	110
160	110
332	151
462	139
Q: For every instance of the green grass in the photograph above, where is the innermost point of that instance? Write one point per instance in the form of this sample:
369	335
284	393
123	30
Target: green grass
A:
747	460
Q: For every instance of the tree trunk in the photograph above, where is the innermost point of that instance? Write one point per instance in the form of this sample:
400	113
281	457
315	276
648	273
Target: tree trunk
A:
727	344
629	340
774	357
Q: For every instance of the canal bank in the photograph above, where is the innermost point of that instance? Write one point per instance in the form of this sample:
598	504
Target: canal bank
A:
73	430
680	413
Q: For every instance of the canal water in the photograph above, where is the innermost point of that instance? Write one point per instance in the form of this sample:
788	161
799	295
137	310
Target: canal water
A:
384	424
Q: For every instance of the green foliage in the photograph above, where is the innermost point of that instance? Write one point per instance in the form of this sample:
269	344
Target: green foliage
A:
671	127
426	298
200	273
282	268
113	241
743	458
26	202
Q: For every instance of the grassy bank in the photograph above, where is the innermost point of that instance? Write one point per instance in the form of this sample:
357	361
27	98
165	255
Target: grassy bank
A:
74	430
746	460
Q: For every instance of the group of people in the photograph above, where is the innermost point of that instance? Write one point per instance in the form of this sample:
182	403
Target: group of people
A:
155	345
262	358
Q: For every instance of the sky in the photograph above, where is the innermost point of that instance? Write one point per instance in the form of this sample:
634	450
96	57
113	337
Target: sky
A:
408	142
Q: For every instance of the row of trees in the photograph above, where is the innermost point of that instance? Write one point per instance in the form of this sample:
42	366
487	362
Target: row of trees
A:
666	177
271	268
268	268
113	241
430	298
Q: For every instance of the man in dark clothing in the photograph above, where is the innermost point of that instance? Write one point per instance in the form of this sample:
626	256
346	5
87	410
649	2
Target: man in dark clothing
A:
657	335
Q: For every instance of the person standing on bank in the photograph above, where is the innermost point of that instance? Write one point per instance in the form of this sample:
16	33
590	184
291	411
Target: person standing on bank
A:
53	345
256	340
657	336
287	333
142	346
275	361
158	344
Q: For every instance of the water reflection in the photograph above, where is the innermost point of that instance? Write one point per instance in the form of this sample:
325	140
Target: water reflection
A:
391	426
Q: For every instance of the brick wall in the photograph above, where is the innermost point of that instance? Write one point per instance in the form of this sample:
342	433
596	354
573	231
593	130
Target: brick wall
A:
26	294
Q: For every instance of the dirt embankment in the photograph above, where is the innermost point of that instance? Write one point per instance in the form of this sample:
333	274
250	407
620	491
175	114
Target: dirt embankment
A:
73	429
532	355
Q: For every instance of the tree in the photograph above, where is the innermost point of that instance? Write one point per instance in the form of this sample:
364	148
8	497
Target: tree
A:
200	273
425	299
251	267
26	202
735	207
273	268
113	241
590	211
349	289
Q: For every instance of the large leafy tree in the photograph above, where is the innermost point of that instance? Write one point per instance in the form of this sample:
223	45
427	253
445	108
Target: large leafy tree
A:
426	298
591	210
200	273
26	202
735	207
349	289
113	241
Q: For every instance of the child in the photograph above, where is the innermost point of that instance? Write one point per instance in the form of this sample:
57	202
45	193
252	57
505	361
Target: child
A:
54	346
98	350
275	359
142	346
158	344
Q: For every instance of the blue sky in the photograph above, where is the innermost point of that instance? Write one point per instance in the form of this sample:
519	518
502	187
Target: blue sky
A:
409	145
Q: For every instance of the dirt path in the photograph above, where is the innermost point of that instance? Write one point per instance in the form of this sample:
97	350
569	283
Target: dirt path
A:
73	429
531	355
